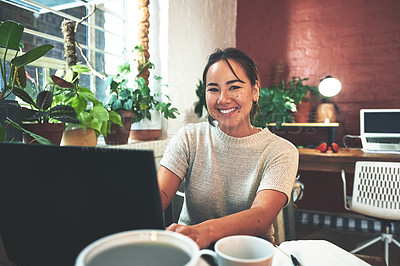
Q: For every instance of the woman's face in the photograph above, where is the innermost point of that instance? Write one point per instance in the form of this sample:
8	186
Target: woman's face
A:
229	100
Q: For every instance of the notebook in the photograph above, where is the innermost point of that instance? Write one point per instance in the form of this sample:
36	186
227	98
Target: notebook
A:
380	130
55	200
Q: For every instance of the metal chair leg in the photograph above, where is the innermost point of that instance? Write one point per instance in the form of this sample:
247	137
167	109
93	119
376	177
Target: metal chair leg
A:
368	243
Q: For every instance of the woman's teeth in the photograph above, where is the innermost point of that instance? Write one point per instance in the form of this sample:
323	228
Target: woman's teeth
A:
227	111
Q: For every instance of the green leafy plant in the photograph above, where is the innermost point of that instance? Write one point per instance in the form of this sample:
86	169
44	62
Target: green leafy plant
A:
300	92
10	39
90	111
201	103
274	106
138	97
278	103
42	111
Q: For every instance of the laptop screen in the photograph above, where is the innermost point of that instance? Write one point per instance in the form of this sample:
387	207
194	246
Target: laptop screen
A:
55	200
381	121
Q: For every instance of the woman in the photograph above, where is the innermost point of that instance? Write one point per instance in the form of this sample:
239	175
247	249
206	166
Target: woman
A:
237	177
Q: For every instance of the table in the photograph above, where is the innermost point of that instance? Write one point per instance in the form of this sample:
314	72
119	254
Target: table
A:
314	160
320	173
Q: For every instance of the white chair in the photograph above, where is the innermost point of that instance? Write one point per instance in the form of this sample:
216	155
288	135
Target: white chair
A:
376	194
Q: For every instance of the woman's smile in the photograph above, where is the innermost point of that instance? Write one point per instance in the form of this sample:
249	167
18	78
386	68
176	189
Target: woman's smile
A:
228	111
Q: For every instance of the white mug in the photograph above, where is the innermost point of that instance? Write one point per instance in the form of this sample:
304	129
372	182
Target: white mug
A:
243	250
141	247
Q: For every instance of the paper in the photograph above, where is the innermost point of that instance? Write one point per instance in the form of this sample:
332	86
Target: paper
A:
315	252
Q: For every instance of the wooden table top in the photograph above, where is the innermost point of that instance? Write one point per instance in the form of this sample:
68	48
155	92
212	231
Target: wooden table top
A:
314	160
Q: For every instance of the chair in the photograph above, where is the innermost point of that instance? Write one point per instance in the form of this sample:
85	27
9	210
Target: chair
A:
376	194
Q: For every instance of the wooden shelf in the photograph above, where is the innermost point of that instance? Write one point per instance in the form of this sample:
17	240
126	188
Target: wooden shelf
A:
321	125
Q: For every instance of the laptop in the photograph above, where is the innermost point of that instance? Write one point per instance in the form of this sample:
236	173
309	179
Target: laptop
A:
380	130
54	200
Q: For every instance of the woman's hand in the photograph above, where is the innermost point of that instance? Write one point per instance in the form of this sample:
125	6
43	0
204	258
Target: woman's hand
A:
194	232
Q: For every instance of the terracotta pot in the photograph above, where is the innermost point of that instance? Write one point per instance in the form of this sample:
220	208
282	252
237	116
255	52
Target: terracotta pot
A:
79	137
303	112
118	134
50	131
145	134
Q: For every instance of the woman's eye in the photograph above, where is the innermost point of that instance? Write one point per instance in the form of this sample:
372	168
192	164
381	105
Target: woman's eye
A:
212	89
234	87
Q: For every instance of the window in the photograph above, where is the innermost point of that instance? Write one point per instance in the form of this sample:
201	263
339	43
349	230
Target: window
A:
102	36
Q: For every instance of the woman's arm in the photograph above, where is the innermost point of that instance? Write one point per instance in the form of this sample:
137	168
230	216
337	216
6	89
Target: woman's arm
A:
254	221
168	184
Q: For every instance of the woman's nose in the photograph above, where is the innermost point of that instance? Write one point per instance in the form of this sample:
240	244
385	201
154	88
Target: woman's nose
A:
224	97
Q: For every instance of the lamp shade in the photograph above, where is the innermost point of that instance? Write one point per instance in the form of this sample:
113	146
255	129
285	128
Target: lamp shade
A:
329	86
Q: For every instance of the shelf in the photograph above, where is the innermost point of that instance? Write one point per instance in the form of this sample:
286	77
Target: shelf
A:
320	125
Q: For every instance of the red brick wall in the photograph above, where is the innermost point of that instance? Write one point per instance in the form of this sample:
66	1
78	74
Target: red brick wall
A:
357	41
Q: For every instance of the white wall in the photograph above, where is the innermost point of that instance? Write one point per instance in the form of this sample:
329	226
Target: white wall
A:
195	29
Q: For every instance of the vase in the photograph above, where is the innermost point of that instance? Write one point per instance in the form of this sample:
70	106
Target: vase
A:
50	131
303	112
146	129
120	135
79	137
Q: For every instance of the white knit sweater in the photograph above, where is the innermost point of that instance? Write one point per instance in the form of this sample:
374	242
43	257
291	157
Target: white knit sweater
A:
223	174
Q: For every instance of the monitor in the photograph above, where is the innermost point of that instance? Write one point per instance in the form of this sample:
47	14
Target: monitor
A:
56	200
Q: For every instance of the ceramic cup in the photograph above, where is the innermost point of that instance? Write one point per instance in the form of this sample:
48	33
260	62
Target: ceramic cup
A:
243	251
141	247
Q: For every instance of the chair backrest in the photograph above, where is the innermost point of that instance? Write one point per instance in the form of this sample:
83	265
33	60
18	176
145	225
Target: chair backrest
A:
376	189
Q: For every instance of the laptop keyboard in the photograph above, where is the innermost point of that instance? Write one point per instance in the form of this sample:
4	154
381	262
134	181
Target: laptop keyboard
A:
383	140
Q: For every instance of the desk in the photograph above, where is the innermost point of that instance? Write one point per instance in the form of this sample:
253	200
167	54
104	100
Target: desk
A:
314	160
320	173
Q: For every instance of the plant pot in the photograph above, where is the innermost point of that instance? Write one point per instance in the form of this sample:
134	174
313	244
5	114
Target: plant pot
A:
50	131
145	129
79	137
11	109
118	134
303	112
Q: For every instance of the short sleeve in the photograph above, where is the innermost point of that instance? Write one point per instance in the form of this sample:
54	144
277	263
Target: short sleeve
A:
281	170
176	155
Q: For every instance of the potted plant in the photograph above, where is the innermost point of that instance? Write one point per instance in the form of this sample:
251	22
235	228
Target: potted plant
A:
13	76
302	95
94	118
120	99
138	98
44	118
274	106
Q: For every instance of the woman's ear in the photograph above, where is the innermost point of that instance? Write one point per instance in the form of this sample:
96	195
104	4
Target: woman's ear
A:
256	91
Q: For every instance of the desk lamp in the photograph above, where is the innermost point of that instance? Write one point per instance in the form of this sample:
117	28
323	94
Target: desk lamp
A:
326	111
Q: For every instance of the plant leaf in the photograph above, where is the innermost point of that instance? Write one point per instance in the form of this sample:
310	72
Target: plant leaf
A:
100	113
28	114
115	117
31	55
61	82
23	95
40	139
64	113
44	100
11	34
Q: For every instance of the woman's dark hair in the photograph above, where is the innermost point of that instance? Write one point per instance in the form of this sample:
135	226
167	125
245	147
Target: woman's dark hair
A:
239	57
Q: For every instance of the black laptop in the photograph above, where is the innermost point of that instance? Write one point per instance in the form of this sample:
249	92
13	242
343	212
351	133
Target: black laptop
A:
55	200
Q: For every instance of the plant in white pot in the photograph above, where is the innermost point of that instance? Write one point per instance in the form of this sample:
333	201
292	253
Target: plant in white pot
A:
94	118
146	105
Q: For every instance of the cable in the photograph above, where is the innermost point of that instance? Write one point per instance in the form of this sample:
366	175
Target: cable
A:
350	137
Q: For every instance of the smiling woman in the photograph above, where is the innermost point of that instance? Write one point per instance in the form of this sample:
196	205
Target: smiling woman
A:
237	177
